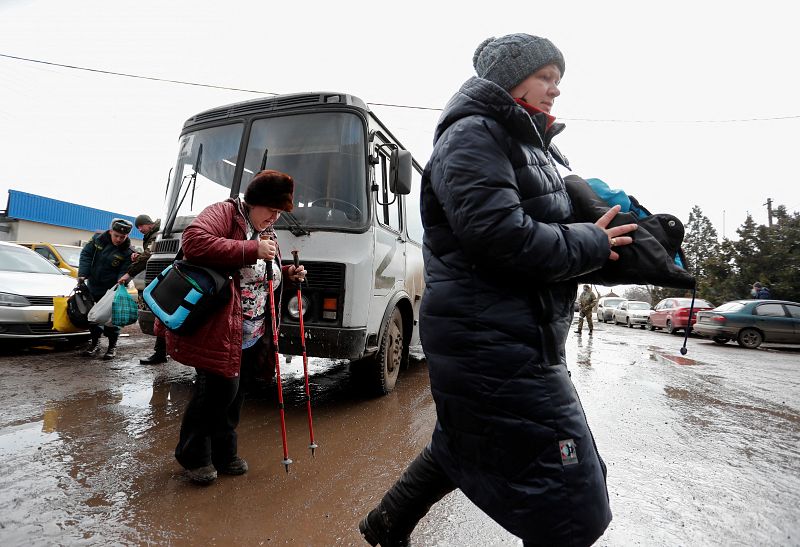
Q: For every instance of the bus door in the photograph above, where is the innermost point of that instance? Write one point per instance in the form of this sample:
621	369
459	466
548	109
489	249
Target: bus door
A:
389	261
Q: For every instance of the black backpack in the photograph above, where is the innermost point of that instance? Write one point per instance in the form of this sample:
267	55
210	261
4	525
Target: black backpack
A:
78	305
651	259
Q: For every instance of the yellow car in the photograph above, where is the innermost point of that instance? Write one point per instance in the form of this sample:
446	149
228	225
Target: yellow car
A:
65	257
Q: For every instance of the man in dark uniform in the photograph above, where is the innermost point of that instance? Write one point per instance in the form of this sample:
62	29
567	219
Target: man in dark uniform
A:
103	263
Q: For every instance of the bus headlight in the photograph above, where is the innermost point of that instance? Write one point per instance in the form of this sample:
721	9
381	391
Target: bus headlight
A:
294	310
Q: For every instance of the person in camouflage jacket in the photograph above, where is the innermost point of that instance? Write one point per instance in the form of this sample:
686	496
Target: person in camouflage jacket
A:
586	302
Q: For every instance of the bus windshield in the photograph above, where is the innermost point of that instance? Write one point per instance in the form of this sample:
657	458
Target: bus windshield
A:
204	172
325	154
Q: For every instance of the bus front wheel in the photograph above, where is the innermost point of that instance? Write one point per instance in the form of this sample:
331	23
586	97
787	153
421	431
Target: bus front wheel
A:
386	363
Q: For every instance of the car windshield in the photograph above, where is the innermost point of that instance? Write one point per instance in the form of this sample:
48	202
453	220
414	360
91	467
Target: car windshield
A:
639	306
686	302
71	255
613	302
730	307
20	259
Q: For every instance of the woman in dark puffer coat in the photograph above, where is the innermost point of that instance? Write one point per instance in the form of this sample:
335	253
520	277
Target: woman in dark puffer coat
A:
501	261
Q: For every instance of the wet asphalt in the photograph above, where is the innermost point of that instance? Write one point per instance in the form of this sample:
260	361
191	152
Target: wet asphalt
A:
702	449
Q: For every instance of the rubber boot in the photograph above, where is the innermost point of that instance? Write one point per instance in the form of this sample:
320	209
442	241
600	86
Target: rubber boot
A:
421	485
111	352
159	353
94	347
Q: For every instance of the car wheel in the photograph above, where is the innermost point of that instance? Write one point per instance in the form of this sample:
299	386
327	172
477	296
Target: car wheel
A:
669	328
628	322
650	326
749	338
721	339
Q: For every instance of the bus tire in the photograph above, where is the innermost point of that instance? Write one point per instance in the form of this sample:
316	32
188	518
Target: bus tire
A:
385	365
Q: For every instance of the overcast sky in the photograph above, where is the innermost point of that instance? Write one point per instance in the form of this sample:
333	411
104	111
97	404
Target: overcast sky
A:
648	95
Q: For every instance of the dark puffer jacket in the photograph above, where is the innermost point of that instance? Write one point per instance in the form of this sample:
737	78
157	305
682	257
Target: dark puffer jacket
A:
102	263
500	264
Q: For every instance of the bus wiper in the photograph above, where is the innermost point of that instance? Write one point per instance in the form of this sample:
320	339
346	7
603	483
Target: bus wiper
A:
295	227
264	159
176	205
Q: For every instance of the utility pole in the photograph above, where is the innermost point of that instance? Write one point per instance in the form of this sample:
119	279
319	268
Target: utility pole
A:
769	211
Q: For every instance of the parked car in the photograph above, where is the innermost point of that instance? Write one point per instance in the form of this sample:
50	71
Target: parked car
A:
65	257
28	283
632	312
751	322
606	307
672	314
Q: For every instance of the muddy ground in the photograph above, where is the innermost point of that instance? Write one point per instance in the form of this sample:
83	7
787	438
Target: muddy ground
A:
702	449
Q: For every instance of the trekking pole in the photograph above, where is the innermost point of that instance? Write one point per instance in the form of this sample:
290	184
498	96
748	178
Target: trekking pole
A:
312	445
286	461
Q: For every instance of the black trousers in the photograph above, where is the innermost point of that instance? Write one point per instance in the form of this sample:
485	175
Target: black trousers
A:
111	332
208	430
422	484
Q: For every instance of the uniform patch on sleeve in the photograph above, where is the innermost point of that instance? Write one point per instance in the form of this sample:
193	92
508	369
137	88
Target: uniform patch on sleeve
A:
569	453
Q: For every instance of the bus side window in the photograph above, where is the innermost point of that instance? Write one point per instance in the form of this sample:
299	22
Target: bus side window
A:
413	216
389	213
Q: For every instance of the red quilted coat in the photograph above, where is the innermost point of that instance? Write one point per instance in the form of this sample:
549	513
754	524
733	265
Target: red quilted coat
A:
217	239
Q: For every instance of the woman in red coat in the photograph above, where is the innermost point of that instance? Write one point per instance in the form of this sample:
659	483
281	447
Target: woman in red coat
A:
234	236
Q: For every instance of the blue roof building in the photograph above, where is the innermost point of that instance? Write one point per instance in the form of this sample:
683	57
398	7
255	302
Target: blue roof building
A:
80	222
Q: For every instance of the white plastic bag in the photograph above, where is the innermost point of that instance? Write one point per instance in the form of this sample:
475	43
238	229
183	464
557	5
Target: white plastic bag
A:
100	314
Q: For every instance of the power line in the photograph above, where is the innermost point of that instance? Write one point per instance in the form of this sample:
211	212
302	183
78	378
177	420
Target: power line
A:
405	106
138	76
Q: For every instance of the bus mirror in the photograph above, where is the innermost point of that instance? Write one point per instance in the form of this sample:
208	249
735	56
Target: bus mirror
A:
400	172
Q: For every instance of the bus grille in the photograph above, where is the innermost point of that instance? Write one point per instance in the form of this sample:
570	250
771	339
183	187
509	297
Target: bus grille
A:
324	275
167	246
154	267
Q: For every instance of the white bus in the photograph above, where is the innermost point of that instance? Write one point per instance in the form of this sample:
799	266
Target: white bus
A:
356	222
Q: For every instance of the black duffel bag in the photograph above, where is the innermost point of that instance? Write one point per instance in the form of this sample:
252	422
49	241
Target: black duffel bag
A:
78	305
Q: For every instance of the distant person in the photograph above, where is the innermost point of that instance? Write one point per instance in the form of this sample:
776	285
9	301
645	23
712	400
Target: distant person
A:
586	302
150	230
235	236
104	262
760	292
501	263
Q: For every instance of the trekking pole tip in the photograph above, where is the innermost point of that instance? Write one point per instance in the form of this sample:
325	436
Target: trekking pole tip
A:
286	464
312	447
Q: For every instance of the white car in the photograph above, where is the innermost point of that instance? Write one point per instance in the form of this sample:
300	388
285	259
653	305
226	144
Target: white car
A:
28	283
632	312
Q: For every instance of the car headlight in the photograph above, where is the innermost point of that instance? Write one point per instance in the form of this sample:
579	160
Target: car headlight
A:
13	300
293	308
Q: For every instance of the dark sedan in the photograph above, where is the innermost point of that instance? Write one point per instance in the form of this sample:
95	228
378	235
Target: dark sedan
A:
751	322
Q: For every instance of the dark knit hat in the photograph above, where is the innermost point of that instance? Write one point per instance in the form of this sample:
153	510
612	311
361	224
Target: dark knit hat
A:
121	225
142	220
271	188
510	59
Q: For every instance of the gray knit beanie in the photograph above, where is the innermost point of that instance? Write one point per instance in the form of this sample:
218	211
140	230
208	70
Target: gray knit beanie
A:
510	59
